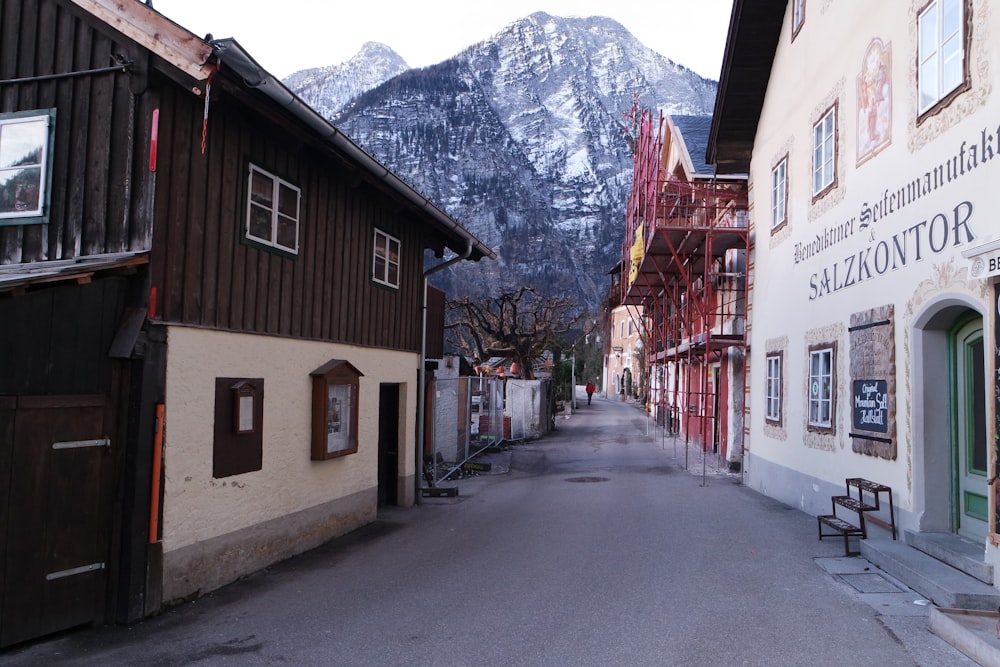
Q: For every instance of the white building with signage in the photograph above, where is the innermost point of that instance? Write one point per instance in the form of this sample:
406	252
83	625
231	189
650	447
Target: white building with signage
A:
871	136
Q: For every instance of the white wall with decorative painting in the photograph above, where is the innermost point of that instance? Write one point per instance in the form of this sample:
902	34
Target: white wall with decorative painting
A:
874	192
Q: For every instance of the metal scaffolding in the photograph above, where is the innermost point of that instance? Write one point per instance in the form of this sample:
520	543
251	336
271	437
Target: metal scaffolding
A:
685	263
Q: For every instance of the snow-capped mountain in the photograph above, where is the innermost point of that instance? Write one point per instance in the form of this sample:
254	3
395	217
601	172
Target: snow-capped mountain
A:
328	89
521	138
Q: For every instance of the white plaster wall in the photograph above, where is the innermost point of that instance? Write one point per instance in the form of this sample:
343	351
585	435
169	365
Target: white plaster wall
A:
735	409
523	406
819	68
196	505
445	420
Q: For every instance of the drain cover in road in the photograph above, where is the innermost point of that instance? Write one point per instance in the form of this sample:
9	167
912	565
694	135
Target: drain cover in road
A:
586	479
870	582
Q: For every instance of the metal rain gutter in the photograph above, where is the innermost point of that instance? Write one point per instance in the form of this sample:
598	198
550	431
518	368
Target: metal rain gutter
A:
421	393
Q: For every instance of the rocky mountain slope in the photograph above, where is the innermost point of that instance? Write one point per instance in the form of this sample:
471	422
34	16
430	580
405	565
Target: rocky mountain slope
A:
521	138
328	89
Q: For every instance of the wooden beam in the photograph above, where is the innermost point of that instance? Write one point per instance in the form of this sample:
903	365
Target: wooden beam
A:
147	27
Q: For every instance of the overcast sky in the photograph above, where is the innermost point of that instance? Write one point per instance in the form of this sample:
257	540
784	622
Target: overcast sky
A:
291	35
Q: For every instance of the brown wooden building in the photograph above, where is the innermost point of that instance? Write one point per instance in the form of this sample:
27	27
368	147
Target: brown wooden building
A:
211	317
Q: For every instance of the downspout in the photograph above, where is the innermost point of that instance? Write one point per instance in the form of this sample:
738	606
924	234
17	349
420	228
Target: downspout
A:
418	464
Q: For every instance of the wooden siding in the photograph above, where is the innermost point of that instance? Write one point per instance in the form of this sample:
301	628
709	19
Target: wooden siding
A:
436	309
95	132
206	276
105	197
56	341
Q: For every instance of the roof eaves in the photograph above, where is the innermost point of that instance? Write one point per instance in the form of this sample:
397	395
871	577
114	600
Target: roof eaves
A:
235	58
190	54
16	278
147	27
754	32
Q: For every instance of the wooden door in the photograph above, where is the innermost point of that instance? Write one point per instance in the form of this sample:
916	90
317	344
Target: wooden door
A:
388	444
56	513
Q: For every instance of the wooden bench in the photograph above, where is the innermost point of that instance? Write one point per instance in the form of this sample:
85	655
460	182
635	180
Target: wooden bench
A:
861	507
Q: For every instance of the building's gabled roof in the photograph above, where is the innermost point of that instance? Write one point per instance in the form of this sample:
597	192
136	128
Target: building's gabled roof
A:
754	31
234	58
200	60
695	131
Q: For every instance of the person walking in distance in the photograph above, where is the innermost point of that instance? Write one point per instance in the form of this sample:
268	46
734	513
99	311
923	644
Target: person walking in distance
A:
590	392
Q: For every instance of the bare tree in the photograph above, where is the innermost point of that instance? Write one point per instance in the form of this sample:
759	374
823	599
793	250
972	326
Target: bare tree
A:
518	324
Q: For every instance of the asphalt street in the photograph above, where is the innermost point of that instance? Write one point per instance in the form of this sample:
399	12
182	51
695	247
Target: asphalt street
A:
603	543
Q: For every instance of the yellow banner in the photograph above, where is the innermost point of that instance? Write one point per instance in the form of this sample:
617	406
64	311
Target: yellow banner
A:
636	253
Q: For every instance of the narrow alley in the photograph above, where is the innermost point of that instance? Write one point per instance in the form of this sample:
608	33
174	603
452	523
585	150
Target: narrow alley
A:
592	546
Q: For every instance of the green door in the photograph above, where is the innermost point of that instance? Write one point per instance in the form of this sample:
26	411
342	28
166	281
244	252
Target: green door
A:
969	432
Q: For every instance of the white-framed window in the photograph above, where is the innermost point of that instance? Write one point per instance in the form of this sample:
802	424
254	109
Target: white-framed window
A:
779	192
385	259
772	409
26	139
941	50
273	206
821	386
825	151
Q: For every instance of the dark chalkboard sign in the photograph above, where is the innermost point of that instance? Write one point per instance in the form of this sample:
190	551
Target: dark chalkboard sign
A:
870	402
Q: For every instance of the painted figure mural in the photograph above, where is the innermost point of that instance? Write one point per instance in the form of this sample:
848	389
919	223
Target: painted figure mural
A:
874	101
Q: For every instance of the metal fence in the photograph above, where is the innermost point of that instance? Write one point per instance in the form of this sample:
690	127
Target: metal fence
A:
468	415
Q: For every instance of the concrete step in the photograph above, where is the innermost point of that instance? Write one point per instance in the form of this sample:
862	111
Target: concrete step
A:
958	552
940	583
974	633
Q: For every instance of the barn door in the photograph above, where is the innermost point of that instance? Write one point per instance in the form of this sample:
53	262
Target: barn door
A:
55	513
